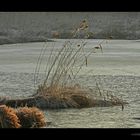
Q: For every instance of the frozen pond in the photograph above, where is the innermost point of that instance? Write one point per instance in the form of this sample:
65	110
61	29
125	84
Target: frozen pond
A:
116	69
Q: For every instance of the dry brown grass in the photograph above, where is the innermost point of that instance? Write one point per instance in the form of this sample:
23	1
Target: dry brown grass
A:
77	97
22	117
31	117
8	117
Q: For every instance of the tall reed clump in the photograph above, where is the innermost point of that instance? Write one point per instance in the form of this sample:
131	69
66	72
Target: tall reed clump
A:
60	87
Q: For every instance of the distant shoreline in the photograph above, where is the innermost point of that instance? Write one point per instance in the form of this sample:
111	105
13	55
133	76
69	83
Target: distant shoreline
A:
25	27
14	41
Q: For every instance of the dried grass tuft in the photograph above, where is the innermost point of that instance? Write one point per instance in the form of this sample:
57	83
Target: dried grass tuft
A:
31	117
22	117
8	118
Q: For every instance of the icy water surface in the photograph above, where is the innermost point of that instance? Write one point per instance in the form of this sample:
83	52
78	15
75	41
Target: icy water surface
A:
117	69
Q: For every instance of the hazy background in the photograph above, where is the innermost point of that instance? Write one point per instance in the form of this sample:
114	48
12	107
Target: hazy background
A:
37	26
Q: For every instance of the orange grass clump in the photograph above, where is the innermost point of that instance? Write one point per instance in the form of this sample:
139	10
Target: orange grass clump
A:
22	117
8	118
31	117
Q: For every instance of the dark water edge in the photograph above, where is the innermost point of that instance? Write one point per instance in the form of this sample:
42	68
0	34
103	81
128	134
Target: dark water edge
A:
8	40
